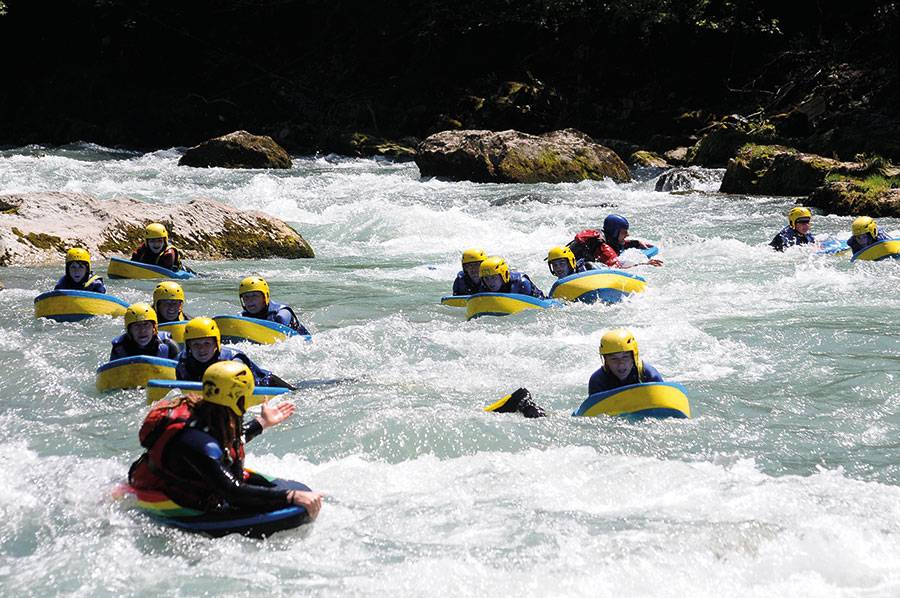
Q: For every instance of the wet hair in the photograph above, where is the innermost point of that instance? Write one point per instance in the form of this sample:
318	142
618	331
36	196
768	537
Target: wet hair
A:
218	421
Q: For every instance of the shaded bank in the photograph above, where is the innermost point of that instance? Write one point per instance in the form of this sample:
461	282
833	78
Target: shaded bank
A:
346	76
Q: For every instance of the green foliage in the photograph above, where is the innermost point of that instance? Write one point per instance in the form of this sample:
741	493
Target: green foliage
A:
870	185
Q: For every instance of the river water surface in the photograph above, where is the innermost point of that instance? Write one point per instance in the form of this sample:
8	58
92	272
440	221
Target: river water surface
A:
785	482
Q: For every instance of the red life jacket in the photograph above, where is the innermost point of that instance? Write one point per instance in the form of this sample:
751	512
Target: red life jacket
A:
586	245
164	421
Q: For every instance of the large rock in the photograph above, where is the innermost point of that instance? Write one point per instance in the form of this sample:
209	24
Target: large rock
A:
648	159
237	150
203	229
686	179
851	198
566	156
720	141
779	170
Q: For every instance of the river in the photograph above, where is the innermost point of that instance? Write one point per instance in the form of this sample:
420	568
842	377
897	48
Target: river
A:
785	482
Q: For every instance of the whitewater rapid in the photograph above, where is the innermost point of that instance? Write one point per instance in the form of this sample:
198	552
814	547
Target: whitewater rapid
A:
785	482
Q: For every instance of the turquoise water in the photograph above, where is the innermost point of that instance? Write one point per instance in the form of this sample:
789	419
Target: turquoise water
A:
785	482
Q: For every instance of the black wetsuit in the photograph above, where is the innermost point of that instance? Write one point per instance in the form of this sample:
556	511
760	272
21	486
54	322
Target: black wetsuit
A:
200	474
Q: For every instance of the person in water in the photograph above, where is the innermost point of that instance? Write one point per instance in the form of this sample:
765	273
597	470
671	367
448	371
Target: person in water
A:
562	262
865	233
156	249
496	278
254	295
622	364
615	241
78	275
141	336
468	281
203	347
168	301
196	450
797	230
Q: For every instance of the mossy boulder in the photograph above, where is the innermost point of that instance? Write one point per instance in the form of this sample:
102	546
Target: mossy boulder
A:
566	156
853	197
239	149
780	170
720	141
648	159
202	229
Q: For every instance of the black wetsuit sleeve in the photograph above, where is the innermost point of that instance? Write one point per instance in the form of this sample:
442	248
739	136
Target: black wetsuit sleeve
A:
200	454
252	430
173	348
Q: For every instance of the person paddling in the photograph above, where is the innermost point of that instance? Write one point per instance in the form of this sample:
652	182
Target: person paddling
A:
78	275
253	293
203	347
468	280
168	301
797	230
196	449
142	336
865	232
156	249
496	278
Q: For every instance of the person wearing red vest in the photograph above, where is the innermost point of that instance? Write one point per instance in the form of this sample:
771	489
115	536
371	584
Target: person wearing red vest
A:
615	241
196	449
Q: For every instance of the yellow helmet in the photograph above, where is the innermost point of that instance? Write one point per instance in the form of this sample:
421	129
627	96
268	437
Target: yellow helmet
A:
865	224
621	340
140	312
202	328
473	255
168	290
558	253
229	384
155	231
492	266
254	283
78	254
797	213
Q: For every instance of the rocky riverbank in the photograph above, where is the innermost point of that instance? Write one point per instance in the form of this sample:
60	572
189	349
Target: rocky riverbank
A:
38	228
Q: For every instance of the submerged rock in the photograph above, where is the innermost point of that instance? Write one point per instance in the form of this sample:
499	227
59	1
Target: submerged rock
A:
566	156
239	149
203	229
779	170
855	198
685	179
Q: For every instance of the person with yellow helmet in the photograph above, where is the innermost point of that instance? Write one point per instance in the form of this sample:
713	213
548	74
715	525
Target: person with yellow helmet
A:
168	301
496	278
78	275
561	262
141	336
203	347
156	249
622	364
257	303
865	232
468	280
797	230
195	450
